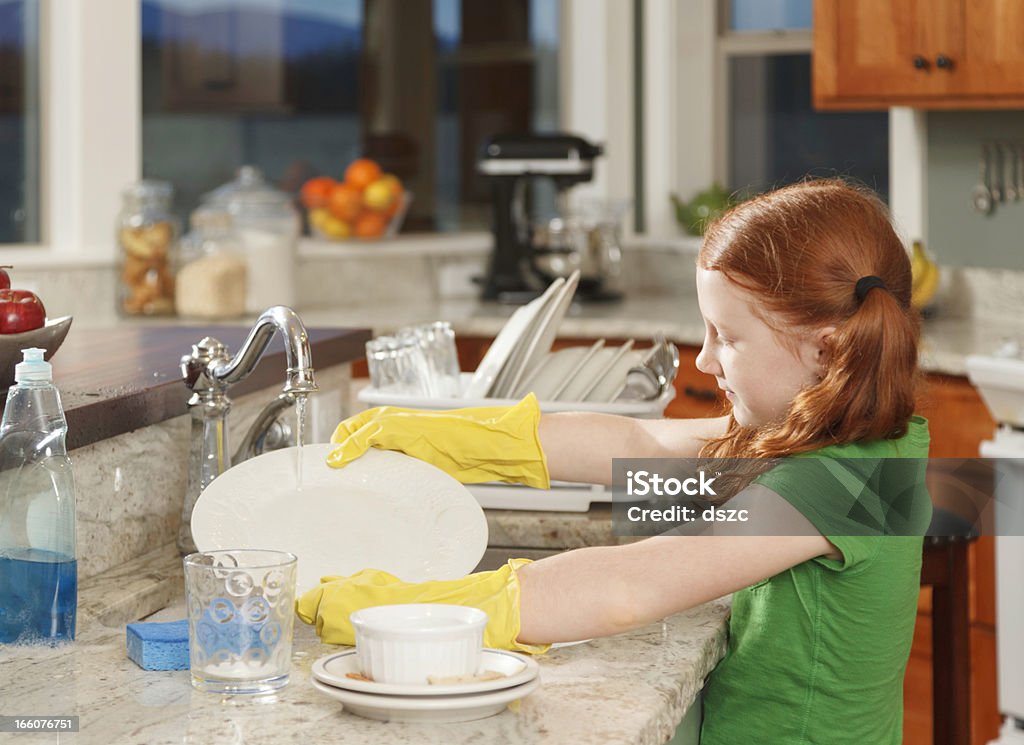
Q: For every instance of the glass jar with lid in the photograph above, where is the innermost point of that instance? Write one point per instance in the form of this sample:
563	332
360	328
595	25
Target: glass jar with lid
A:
147	232
211	278
267	225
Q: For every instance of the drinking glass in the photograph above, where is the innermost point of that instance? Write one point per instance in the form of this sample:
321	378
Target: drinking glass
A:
398	365
437	340
240	619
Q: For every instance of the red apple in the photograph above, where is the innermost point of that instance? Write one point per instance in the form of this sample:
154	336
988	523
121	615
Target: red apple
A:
5	278
20	310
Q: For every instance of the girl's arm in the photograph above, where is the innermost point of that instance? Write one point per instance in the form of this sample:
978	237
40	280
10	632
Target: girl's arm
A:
580	446
605	590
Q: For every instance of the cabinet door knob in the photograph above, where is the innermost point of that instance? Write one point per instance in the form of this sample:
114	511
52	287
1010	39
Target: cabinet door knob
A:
943	62
701	394
920	62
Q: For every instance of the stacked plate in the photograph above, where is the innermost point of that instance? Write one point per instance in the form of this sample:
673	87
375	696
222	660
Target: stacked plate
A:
596	374
514	676
523	342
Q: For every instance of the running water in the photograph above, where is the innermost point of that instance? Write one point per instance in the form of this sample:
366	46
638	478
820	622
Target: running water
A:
300	428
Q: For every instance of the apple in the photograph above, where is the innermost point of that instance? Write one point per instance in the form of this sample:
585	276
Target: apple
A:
20	310
5	278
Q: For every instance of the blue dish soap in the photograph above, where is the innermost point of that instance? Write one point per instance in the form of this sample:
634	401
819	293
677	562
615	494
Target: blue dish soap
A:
38	568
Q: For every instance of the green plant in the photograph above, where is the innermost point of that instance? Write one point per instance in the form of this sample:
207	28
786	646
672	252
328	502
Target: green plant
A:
704	207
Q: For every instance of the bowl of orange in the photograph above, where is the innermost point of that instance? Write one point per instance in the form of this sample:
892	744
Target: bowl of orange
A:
366	204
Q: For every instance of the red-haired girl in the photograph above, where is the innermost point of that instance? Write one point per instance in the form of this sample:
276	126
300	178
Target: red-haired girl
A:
805	295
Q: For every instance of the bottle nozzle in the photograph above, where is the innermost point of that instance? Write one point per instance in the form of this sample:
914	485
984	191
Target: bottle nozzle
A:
33	368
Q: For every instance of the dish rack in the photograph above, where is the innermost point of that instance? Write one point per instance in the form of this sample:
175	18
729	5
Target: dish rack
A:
562	496
652	409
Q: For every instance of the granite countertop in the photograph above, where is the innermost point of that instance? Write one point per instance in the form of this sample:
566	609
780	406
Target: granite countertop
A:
115	380
946	342
630	688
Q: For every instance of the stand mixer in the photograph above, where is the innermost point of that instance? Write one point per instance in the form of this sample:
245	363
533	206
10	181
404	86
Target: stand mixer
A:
526	257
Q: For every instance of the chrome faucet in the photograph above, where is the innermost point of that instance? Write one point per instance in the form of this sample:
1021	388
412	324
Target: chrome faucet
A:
209	371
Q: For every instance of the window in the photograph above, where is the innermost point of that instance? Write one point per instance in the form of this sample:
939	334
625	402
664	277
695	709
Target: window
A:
19	121
774	136
302	88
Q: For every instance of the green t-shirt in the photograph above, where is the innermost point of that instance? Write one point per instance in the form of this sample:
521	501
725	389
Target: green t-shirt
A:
817	653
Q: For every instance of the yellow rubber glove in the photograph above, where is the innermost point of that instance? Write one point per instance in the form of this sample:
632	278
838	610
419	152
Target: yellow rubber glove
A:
496	593
487	443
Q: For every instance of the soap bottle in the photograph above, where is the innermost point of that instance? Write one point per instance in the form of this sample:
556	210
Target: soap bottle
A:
38	569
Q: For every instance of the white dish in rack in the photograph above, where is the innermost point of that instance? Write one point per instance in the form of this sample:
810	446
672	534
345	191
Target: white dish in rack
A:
511	336
555	371
537	309
614	381
539	341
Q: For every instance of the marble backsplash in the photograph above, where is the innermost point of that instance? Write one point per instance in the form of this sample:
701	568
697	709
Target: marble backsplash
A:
130	488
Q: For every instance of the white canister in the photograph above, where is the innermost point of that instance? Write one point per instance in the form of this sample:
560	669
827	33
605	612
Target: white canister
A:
268	225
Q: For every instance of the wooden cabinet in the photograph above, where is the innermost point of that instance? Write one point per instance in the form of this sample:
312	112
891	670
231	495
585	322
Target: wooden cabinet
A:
958	421
931	54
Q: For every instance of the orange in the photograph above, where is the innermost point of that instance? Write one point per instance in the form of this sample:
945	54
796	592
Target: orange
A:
370	225
314	192
361	173
344	202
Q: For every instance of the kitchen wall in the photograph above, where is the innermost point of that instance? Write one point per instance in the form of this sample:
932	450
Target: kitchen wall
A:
957	234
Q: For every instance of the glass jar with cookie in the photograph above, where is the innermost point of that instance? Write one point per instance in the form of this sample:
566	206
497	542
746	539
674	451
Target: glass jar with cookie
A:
147	233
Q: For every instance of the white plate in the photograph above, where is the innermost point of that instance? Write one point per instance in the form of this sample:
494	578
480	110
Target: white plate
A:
539	307
592	373
505	343
518	669
555	370
427	708
611	385
383	511
545	335
568	379
603	372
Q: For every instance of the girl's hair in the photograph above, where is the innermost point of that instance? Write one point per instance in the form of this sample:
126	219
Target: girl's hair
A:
800	251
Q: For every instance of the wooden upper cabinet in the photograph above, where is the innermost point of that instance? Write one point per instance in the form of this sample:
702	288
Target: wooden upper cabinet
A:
929	54
994	44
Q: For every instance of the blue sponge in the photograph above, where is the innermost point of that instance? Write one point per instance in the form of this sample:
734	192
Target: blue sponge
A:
159	646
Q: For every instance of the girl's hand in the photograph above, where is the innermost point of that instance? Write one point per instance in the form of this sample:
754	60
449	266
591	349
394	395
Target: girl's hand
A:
495	443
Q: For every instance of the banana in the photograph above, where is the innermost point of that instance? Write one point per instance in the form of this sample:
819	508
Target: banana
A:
925	277
923	288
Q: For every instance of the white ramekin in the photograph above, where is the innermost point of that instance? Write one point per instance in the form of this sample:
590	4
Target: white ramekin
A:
407	643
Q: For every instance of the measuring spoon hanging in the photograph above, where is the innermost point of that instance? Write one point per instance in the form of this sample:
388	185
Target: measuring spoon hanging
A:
981	197
1018	157
997	186
1009	158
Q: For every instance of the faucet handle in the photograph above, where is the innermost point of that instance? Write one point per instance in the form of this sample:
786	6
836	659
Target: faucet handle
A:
195	366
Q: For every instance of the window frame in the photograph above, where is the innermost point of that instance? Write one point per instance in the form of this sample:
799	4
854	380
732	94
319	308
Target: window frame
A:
89	139
698	31
91	121
91	116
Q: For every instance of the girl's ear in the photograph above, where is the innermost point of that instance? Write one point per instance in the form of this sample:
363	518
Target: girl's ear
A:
821	342
822	339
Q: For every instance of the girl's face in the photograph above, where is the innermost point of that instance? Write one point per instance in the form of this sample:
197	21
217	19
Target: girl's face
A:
760	375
